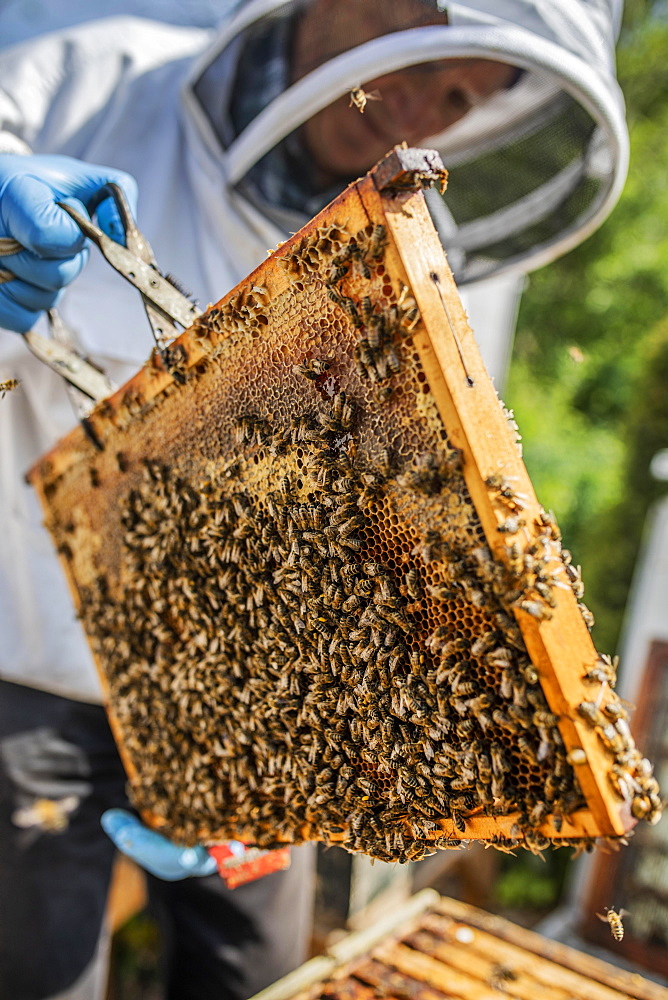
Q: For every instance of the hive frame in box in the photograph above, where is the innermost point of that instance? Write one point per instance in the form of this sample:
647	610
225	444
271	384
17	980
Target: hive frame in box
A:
79	478
434	946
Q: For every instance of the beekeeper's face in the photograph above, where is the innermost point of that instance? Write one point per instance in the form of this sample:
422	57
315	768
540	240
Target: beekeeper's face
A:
415	103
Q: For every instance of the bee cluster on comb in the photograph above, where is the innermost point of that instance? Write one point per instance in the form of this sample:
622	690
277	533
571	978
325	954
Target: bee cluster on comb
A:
304	628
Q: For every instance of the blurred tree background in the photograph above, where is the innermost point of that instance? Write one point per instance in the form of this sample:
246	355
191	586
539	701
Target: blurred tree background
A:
589	381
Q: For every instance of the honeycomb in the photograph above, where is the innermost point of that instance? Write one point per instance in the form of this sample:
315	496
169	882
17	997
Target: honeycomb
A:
302	626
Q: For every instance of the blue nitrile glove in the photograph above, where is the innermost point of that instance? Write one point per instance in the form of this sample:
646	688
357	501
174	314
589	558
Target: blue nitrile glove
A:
55	248
153	852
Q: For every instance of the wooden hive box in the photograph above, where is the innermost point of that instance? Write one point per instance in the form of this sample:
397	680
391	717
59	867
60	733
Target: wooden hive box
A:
322	596
436	948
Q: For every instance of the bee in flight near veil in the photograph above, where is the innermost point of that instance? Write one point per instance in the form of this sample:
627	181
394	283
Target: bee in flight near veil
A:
7	385
359	98
614	919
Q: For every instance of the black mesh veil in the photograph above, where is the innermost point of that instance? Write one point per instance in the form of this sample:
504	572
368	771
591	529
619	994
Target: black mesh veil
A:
534	167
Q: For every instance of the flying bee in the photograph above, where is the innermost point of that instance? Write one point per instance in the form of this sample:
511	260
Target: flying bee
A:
360	97
7	385
614	919
51	815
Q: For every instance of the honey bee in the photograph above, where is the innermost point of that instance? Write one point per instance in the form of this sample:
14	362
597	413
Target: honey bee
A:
529	673
359	98
334	294
363	268
544	590
574	574
604	670
511	525
616	711
411	318
614	919
378	242
587	615
390	360
547	519
366	307
51	815
500	976
349	307
589	710
313	368
536	609
337	273
7	385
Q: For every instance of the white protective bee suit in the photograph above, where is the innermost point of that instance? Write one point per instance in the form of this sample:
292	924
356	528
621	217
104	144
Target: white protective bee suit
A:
532	171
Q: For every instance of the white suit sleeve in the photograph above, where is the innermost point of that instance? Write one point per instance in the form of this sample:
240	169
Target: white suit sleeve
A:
41	89
56	88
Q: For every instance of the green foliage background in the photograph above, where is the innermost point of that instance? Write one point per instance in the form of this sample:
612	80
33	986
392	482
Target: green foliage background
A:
588	374
589	381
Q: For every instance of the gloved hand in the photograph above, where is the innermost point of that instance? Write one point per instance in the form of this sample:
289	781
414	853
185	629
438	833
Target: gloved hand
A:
55	248
154	852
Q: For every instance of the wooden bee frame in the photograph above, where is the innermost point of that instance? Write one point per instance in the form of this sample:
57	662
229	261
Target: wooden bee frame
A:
333	410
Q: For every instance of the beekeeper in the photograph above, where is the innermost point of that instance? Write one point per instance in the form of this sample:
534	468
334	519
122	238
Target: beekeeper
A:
233	139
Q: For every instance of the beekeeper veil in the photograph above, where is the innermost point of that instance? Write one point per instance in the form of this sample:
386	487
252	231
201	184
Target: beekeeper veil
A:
534	167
